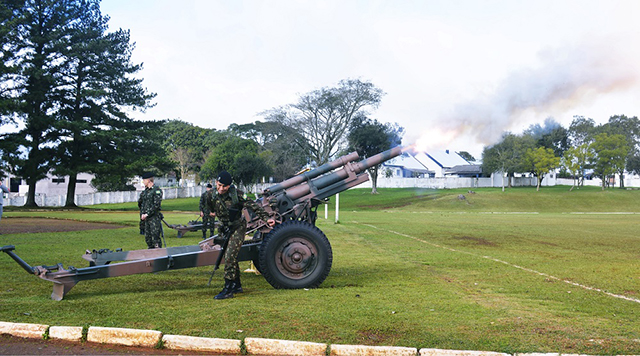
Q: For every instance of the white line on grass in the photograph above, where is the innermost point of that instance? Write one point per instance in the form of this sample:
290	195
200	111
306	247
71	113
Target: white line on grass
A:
508	264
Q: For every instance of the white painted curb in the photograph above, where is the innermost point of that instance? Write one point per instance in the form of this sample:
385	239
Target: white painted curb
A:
254	346
362	350
33	331
222	346
122	336
70	333
439	352
273	347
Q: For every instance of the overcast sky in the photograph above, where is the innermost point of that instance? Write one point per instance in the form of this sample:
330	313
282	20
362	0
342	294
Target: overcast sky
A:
456	74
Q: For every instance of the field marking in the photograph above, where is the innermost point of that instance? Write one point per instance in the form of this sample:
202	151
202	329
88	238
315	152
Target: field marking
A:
507	263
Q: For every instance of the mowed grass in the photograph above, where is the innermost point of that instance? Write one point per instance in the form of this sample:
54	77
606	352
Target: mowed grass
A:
513	271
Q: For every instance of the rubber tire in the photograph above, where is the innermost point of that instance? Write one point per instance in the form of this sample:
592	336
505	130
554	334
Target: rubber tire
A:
256	264
286	240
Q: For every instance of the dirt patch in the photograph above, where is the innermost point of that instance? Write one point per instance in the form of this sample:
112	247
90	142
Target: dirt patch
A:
477	240
36	225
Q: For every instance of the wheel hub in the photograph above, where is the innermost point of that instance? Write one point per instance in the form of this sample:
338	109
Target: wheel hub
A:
296	258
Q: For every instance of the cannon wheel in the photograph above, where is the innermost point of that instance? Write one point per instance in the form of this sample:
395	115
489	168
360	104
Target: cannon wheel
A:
295	254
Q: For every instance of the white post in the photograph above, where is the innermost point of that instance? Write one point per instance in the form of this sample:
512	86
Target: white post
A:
326	211
337	207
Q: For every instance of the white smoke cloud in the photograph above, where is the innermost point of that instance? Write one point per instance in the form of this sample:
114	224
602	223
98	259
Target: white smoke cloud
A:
565	78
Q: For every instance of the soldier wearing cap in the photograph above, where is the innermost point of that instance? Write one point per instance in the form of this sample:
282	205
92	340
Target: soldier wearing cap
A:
226	203
207	219
150	202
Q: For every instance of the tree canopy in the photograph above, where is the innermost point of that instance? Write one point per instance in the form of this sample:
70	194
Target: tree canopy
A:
322	117
369	137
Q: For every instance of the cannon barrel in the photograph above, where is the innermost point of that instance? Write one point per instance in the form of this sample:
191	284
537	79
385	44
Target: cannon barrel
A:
306	176
332	183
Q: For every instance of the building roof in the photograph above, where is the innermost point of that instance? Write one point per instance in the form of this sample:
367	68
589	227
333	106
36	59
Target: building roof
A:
443	158
408	162
465	169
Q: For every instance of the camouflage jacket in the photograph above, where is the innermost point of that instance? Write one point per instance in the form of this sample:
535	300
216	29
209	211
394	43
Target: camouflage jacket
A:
150	201
228	207
203	202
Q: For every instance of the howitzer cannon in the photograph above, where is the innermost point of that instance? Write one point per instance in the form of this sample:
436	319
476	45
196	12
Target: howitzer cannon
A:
292	254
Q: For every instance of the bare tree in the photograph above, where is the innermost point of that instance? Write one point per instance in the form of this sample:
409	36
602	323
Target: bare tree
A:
322	117
185	158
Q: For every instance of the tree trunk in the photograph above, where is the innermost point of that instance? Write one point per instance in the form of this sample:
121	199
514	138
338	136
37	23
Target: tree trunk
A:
374	180
71	191
539	183
31	195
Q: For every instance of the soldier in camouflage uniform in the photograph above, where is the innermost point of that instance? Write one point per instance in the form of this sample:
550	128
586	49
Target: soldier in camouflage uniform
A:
226	203
150	202
207	220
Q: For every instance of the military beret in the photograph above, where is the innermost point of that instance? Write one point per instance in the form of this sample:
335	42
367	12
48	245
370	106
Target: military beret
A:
147	175
225	178
209	185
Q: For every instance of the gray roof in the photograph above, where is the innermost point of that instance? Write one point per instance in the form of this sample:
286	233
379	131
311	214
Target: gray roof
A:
465	169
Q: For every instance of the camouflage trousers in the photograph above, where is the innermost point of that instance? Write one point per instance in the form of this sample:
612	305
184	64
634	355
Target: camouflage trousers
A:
207	224
152	231
231	268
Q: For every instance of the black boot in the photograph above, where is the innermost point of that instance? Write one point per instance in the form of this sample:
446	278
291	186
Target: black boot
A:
237	287
227	291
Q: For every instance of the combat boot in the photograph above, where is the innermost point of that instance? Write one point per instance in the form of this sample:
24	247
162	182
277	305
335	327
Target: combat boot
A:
237	287
227	291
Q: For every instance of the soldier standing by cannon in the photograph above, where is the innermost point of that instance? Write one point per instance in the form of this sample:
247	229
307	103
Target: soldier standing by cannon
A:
226	203
207	219
150	202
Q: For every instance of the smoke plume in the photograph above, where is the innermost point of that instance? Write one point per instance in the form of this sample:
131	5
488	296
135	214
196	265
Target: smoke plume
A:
565	78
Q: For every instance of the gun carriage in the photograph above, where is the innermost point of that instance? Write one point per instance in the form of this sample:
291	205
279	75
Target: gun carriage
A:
292	254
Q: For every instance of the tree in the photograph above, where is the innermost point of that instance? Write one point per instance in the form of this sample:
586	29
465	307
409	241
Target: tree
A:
283	148
188	145
97	83
467	156
581	130
8	69
369	137
38	33
184	159
633	164
551	135
507	156
543	161
138	151
611	152
239	157
576	160
323	116
629	127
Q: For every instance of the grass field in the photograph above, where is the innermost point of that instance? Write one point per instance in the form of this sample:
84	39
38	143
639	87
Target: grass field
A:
513	271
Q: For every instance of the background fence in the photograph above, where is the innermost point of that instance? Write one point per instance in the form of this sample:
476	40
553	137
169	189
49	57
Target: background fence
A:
196	191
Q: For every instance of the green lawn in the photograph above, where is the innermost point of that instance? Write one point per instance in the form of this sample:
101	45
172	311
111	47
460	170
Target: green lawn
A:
513	271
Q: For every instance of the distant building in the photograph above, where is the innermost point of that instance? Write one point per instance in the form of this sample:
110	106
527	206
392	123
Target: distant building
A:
446	163
52	185
405	166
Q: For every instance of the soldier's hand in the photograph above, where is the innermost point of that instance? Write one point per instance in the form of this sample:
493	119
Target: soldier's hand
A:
271	222
143	216
201	214
213	215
